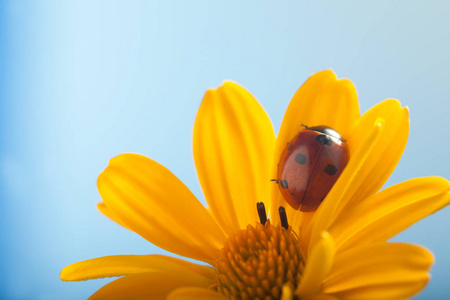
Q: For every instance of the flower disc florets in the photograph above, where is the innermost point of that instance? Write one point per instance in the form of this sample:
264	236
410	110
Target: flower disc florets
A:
257	262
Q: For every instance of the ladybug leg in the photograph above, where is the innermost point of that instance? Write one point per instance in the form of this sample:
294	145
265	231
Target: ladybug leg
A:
261	212
283	217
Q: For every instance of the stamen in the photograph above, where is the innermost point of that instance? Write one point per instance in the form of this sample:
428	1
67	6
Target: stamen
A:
283	217
258	263
261	212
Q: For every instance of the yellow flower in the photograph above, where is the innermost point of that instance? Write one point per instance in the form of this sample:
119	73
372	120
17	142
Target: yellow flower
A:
338	252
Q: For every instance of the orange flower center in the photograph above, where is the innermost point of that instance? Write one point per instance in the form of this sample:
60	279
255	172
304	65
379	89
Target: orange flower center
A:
258	261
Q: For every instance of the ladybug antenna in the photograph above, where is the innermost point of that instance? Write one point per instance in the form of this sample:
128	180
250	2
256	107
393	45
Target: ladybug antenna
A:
306	127
261	212
283	217
276	180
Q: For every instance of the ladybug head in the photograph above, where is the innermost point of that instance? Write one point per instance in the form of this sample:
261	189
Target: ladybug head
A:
326	130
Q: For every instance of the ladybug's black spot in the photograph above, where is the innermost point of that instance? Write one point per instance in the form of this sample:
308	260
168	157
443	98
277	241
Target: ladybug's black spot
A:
330	169
284	183
324	139
289	147
300	158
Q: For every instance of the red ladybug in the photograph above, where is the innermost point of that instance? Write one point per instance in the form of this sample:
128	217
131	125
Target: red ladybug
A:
310	165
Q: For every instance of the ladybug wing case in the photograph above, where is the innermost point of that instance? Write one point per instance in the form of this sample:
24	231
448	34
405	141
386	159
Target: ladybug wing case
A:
296	166
331	161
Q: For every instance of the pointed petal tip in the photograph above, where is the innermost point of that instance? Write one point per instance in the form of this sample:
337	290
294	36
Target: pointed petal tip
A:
67	273
444	182
347	83
406	108
327	72
428	256
227	83
119	159
390	104
230	83
395	104
439	182
405	112
63	275
331	75
324	75
100	206
126	156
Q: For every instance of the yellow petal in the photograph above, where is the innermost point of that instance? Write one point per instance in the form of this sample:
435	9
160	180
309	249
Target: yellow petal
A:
318	264
349	178
233	150
148	199
383	158
321	100
193	293
120	265
155	285
374	155
389	212
379	271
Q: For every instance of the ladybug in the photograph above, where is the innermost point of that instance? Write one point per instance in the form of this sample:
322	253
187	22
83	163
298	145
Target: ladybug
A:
310	165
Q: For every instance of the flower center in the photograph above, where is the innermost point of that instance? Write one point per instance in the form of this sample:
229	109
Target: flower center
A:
258	261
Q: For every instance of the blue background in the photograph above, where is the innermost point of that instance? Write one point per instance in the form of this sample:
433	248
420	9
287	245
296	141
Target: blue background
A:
83	81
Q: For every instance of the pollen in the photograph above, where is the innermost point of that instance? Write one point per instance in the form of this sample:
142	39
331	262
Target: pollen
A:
257	262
